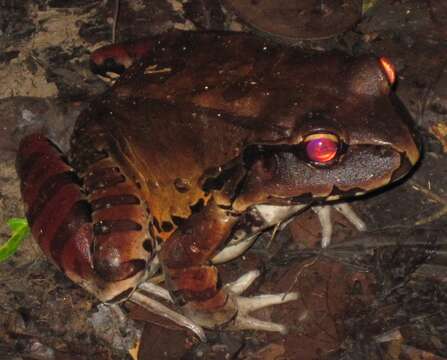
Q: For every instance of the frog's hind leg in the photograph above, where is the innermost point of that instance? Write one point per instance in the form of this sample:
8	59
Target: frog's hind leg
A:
81	225
140	298
251	224
57	212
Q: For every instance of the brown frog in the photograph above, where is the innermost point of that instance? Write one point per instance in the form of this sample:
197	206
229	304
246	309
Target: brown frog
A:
207	139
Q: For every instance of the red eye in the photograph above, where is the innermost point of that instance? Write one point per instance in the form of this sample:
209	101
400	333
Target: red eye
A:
321	148
389	69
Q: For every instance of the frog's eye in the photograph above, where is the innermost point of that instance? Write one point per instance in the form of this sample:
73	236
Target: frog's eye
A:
389	69
321	148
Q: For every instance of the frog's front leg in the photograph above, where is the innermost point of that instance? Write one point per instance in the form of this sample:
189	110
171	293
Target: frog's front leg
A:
194	282
324	215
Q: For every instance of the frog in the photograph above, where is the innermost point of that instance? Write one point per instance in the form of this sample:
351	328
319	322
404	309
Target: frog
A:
205	141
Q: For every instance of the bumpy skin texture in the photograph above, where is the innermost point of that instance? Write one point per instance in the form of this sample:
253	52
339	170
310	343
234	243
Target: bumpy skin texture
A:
198	130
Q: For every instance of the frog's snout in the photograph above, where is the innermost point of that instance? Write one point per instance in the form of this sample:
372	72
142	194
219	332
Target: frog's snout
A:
409	146
404	168
413	151
410	154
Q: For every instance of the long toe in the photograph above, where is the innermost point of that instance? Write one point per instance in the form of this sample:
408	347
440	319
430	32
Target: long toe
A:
251	323
246	305
249	304
243	283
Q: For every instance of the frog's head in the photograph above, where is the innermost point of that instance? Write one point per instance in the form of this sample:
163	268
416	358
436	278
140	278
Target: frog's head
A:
337	143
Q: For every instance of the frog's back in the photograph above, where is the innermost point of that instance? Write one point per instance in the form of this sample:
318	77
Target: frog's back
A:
201	97
189	109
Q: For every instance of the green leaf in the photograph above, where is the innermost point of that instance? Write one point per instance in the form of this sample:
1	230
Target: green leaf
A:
19	230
